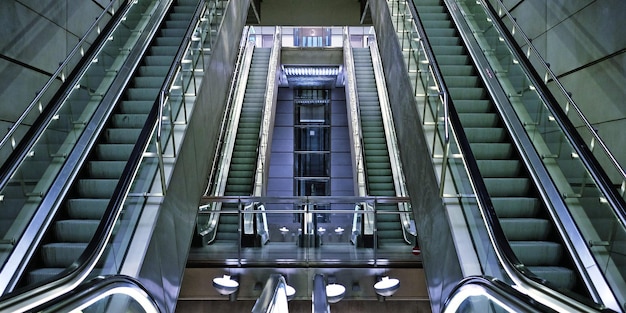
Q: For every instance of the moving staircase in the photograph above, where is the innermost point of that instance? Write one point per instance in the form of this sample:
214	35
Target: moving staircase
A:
240	181
377	162
85	203
522	214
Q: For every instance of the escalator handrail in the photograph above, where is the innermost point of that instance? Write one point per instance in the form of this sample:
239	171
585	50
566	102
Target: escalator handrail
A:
617	202
356	136
391	143
270	295
22	300
508	260
229	99
264	129
13	162
491	288
65	63
217	183
98	289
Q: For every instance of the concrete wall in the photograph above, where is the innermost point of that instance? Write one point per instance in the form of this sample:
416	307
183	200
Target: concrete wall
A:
584	43
37	35
310	13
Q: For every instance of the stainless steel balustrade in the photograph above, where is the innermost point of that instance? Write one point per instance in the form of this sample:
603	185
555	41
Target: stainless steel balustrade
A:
273	298
406	220
336	245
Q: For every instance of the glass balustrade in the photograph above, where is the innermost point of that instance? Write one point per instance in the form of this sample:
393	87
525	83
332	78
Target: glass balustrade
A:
603	229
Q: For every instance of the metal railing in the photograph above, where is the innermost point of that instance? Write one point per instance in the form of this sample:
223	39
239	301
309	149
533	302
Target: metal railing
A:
273	298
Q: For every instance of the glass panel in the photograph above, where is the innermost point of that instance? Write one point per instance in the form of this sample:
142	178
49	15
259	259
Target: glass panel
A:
312	139
312	165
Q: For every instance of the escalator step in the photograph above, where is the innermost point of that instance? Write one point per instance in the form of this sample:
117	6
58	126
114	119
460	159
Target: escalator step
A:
61	254
537	253
128	120
106	169
147	94
500	168
528	229
493	151
491	135
117	152
122	135
560	277
86	208
42	274
155	71
75	230
148	81
96	188
479	119
516	207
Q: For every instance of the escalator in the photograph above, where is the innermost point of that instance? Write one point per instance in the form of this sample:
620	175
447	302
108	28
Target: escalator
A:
377	162
241	174
84	205
522	214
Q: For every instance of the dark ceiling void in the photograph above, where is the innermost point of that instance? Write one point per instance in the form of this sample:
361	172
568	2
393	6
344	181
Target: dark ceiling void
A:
310	13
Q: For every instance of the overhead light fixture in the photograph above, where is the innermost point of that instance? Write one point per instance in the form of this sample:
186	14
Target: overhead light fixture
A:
386	287
335	292
225	285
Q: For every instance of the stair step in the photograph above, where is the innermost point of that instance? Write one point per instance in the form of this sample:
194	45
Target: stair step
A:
75	230
106	169
96	188
83	208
